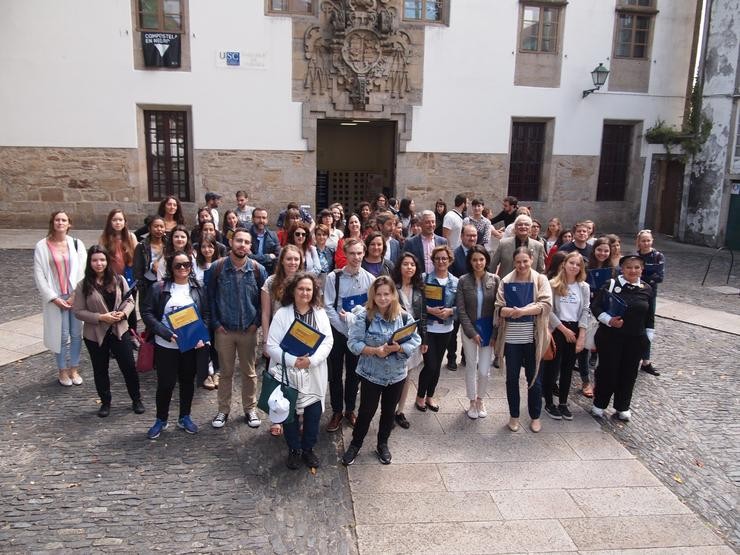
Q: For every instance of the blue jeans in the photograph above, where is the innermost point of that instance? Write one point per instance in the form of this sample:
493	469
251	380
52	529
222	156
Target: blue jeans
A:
71	340
517	356
311	417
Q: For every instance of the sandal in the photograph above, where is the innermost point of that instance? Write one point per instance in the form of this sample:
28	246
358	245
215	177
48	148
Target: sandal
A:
276	430
588	390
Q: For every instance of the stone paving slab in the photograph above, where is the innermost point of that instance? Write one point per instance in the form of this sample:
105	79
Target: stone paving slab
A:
699	316
465	537
703	550
402	508
638	531
535	504
635	501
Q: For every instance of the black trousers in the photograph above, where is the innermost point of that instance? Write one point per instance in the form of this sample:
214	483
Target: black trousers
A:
132	319
370	395
561	367
429	375
100	358
619	359
172	367
339	359
452	345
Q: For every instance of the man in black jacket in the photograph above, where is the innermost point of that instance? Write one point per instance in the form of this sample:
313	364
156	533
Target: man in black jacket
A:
265	243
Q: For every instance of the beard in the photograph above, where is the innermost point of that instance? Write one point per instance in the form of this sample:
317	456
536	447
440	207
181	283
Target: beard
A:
239	256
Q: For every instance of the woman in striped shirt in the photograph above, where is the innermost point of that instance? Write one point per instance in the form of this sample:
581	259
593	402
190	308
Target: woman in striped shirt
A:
523	334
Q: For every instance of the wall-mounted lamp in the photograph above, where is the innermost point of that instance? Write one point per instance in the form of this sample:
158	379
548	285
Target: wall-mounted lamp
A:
598	76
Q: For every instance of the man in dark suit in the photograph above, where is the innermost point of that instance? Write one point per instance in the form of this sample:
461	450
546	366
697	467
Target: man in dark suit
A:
265	243
386	222
421	245
503	258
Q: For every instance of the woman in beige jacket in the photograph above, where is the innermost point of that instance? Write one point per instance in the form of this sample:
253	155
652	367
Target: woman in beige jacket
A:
101	302
523	334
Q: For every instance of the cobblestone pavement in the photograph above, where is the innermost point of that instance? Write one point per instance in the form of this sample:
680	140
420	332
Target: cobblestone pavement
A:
70	480
684	422
18	292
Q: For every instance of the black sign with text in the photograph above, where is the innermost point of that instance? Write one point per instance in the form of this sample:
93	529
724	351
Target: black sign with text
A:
161	49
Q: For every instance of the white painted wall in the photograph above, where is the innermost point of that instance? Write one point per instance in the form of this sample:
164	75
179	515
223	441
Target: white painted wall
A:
68	79
475	57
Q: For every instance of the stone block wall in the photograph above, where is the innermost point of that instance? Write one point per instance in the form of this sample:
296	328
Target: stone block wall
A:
568	190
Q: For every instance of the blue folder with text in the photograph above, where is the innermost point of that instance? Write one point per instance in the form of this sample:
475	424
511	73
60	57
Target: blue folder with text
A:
598	276
348	303
613	305
188	326
519	295
301	339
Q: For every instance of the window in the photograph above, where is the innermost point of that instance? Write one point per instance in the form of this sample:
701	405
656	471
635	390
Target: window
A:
539	28
423	10
299	7
616	145
160	15
633	32
525	169
647	3
167	154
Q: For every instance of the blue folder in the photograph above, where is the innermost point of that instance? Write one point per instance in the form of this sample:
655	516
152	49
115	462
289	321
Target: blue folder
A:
348	303
484	327
189	327
614	305
519	295
598	277
301	339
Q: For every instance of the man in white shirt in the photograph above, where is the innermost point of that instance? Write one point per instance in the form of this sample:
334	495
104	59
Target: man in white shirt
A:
243	210
212	202
453	222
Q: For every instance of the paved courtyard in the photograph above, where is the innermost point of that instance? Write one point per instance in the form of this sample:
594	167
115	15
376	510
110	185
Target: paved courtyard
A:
666	483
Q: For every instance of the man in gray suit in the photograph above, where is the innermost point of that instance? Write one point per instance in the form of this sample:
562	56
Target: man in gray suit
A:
504	255
421	245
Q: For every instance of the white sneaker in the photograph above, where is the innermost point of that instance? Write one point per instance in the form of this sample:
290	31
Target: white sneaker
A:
597	412
219	421
252	419
624	415
472	412
481	409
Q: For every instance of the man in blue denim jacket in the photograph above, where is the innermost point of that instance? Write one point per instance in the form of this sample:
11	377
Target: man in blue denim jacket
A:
234	296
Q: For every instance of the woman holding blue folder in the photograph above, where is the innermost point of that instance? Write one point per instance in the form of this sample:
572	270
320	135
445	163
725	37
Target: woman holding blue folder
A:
440	290
476	296
653	273
625	308
523	304
382	363
179	289
301	301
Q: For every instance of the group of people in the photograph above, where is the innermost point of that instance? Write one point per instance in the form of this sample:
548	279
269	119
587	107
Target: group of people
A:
388	291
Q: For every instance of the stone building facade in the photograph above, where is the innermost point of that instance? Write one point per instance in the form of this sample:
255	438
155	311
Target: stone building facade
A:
294	100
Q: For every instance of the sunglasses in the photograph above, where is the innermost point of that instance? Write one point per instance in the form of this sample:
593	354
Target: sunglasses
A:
299	234
182	265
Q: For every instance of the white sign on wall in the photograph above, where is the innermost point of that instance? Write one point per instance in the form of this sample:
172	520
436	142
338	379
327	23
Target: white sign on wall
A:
241	59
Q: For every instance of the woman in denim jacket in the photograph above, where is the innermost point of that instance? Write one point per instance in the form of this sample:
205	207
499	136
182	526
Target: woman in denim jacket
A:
440	323
382	364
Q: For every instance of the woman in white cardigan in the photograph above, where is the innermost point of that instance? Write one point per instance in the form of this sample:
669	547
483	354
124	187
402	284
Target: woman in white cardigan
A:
58	266
308	374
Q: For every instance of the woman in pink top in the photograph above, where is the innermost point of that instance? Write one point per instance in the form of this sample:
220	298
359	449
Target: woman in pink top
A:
58	265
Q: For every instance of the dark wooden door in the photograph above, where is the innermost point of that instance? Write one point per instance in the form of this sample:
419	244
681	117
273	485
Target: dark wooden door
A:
670	197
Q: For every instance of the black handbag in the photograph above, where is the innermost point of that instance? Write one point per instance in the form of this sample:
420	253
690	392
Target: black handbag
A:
269	383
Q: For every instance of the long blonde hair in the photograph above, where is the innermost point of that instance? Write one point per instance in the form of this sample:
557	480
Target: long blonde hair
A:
559	283
394	310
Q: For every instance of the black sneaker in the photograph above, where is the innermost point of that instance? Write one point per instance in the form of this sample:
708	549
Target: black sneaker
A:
384	455
553	412
565	412
310	458
294	459
496	363
104	410
650	369
138	407
451	365
350	454
401	421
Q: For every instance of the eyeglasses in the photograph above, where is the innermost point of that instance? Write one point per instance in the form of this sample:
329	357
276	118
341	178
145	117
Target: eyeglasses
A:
441	259
299	234
182	265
